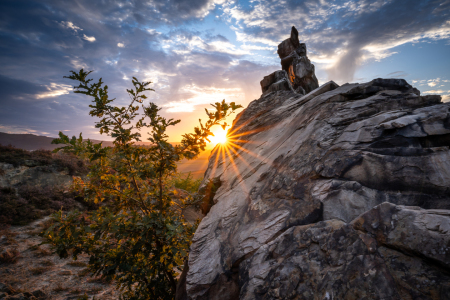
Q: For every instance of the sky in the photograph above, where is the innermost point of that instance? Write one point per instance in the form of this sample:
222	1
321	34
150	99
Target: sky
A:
197	52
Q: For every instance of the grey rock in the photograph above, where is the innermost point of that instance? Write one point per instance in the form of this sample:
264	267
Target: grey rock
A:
289	45
335	260
277	81
299	69
300	169
43	176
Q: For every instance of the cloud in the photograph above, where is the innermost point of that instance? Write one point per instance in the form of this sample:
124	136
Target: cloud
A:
192	61
54	90
343	34
89	38
397	74
435	92
70	25
11	88
203	96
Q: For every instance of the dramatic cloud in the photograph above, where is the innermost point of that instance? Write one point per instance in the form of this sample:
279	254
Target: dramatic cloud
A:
197	52
344	34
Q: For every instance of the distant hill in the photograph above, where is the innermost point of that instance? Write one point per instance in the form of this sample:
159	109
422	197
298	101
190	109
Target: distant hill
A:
34	142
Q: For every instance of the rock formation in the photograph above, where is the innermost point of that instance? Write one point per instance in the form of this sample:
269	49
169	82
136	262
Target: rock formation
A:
297	70
342	193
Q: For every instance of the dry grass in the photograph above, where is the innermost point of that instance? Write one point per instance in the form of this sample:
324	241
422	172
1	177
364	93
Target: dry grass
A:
60	288
46	224
12	279
41	251
94	290
8	236
97	279
33	247
78	264
38	270
47	263
84	272
9	256
76	291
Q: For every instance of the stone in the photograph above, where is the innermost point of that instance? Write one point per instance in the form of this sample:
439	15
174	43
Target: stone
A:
289	45
337	260
342	193
277	81
300	73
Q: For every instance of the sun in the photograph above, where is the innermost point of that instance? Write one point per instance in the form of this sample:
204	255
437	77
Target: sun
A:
219	137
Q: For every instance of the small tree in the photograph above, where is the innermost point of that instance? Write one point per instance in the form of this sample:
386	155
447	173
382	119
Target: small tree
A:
137	238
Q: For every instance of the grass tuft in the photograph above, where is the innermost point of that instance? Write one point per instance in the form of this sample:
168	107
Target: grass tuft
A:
77	264
9	256
38	270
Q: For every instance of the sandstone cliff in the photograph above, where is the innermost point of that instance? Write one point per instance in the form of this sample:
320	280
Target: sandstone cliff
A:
342	193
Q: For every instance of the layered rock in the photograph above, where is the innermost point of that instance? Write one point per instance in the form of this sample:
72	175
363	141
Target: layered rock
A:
299	71
378	256
301	212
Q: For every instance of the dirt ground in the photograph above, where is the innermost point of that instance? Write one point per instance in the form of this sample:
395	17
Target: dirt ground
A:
37	268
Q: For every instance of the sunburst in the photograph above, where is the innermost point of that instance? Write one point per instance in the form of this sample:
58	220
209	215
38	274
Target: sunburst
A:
219	137
230	151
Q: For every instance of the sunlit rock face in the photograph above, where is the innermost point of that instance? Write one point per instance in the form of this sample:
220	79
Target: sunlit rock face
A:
300	74
301	211
342	193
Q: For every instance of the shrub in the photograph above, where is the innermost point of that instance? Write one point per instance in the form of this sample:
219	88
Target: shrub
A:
186	182
137	239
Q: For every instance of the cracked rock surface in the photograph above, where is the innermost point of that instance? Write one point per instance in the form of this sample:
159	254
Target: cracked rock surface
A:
342	193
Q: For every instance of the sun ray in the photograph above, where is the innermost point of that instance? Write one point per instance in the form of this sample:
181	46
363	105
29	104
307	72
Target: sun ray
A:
246	151
241	157
229	153
238	174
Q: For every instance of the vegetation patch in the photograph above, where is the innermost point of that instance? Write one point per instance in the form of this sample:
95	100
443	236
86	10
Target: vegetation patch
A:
186	182
59	161
33	202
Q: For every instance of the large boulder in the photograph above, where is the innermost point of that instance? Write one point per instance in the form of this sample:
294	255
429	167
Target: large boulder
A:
294	216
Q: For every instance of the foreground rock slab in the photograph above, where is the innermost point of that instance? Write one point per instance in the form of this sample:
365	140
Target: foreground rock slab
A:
322	160
375	257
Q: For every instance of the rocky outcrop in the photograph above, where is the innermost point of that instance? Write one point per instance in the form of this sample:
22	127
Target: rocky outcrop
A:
42	176
342	193
298	75
390	252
